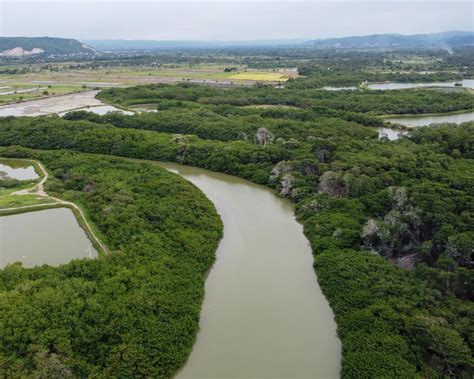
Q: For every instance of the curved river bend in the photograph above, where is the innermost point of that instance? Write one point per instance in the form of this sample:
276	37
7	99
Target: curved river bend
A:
264	315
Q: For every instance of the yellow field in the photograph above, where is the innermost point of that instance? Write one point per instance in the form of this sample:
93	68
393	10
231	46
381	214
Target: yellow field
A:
260	76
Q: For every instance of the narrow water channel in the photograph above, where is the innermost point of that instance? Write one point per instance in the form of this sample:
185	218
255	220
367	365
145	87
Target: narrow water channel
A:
264	315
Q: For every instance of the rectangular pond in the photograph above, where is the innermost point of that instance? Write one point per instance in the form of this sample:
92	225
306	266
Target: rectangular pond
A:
51	236
17	171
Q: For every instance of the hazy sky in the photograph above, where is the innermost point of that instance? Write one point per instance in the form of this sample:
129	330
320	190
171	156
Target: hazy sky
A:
229	20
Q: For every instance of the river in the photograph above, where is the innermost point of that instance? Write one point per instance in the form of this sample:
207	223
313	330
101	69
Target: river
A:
264	315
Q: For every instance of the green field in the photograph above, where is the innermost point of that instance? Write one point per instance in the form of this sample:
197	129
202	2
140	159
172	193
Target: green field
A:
63	80
14	201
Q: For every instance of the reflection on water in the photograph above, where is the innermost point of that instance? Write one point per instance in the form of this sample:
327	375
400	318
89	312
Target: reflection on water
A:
59	105
264	314
100	110
413	122
391	134
50	236
466	83
329	88
20	173
50	105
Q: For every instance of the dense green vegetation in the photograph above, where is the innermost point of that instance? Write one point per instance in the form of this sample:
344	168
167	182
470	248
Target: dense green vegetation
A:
318	76
131	313
321	102
409	201
390	223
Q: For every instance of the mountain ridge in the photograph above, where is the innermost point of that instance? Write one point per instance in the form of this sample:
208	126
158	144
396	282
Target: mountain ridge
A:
387	40
43	46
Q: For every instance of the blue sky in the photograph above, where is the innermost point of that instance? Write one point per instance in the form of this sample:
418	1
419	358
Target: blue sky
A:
229	20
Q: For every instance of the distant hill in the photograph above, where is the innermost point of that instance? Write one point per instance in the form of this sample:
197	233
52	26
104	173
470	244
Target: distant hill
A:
43	46
445	39
142	45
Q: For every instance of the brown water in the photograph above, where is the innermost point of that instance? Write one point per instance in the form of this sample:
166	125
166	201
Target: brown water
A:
51	236
264	315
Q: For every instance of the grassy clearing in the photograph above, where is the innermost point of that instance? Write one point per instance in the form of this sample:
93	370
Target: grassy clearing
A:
24	185
14	201
42	92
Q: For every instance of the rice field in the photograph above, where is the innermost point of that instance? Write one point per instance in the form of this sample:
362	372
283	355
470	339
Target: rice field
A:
63	80
260	76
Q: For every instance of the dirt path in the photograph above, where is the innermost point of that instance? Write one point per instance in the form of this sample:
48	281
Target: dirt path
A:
38	190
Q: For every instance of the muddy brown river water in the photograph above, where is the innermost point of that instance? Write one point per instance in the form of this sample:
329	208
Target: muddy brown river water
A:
264	315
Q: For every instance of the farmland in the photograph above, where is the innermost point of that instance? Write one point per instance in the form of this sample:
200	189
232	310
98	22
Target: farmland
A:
59	79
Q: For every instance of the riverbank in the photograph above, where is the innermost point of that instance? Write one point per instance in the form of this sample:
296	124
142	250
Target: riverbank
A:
264	314
163	232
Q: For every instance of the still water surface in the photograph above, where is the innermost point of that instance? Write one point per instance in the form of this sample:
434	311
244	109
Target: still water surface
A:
51	236
391	134
264	315
100	110
415	121
19	173
57	105
466	83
